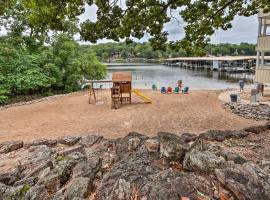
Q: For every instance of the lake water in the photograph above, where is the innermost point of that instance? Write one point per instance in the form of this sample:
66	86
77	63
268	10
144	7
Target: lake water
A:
144	76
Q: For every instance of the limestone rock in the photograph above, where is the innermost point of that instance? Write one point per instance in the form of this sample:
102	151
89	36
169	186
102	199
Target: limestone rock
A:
247	182
69	140
78	187
133	143
218	135
7	147
37	193
89	140
202	161
152	145
171	146
43	141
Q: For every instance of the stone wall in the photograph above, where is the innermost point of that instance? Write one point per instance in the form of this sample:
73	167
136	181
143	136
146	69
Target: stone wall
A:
166	166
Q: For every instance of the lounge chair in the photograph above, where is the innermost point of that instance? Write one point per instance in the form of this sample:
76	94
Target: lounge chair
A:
163	90
176	90
169	90
185	90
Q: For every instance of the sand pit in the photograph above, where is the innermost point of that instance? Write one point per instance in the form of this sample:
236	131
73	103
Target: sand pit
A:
72	115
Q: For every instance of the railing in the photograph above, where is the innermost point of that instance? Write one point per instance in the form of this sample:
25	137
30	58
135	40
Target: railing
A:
263	43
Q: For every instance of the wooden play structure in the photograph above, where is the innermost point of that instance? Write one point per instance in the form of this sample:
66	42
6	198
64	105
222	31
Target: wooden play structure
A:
122	80
120	91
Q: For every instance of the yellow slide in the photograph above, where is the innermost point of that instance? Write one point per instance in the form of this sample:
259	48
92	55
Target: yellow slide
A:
144	97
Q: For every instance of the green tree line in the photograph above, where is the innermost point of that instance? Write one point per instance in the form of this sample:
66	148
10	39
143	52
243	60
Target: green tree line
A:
121	51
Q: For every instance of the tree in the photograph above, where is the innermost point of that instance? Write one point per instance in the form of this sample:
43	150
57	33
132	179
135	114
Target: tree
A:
125	20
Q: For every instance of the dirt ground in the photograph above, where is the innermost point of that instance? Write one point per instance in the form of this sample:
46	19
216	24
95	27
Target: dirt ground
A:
72	115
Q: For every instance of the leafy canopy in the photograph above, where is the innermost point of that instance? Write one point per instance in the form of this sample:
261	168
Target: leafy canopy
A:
118	19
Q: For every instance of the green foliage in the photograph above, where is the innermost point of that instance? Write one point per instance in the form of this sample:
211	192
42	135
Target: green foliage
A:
61	66
126	20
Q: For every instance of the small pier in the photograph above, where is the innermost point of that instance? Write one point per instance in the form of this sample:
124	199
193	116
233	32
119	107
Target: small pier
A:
230	64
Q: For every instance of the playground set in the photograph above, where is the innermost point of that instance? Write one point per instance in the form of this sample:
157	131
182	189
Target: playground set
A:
121	89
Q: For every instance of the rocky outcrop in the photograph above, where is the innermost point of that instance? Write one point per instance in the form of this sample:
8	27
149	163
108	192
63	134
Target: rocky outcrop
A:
166	166
249	111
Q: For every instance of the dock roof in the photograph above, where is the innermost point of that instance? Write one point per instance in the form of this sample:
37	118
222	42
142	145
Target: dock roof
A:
221	58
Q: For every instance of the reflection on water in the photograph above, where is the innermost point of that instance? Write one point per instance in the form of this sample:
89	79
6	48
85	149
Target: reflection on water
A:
144	76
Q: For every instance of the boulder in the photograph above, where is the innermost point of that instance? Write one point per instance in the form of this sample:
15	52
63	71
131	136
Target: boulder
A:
188	137
219	135
87	169
231	156
43	141
70	150
37	193
78	187
171	146
202	161
247	181
133	143
7	147
89	140
152	145
258	129
37	154
69	140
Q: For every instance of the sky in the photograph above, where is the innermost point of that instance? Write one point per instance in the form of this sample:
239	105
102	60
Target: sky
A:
244	29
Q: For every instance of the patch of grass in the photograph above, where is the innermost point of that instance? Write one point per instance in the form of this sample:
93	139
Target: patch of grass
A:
63	158
24	190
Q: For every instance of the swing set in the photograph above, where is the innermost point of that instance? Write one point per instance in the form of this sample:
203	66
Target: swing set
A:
120	91
93	91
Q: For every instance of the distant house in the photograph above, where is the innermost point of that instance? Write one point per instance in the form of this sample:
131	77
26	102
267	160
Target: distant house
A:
263	46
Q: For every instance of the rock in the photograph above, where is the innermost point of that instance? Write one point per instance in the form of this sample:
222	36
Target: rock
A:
87	169
230	156
8	192
246	181
37	193
188	137
7	147
122	190
10	177
65	165
71	150
249	111
78	187
51	181
69	140
133	143
152	145
202	161
171	146
37	154
39	168
218	135
258	129
31	181
37	142
89	140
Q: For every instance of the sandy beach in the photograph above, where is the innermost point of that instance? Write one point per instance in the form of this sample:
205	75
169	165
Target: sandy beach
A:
196	112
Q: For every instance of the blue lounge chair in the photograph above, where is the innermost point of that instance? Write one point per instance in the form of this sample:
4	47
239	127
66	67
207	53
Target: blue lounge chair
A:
185	90
163	90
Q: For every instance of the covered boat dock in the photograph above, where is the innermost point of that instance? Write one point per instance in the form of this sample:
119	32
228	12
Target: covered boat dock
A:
232	64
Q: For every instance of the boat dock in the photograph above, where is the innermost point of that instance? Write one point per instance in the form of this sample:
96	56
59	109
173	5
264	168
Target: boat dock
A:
230	64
